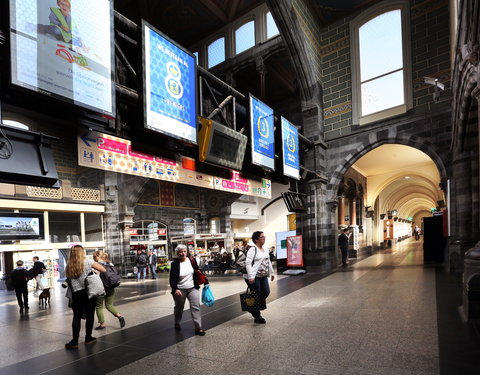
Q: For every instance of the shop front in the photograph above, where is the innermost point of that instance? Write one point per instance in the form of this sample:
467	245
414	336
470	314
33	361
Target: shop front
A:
54	228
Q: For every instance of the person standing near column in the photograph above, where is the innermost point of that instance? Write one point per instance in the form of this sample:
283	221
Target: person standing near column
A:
343	244
39	269
184	287
152	264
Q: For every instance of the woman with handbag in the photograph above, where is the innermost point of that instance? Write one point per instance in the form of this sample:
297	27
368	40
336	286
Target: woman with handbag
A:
77	269
259	268
185	286
109	298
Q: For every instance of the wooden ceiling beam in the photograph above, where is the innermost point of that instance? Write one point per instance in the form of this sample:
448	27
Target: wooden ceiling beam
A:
233	9
216	10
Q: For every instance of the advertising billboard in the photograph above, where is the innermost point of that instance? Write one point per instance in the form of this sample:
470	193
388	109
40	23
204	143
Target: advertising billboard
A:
21	226
294	251
291	164
64	49
262	134
169	75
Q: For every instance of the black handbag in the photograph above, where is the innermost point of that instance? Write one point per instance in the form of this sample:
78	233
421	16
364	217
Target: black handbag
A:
252	300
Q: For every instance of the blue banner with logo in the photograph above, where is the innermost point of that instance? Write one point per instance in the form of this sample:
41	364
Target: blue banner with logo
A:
291	163
170	89
263	140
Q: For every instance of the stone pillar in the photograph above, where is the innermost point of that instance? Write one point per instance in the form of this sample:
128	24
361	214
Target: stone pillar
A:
341	212
353	211
262	71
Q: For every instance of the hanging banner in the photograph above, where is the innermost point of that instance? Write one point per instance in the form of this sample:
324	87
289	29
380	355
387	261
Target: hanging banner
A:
294	251
291	160
170	87
64	49
262	134
110	153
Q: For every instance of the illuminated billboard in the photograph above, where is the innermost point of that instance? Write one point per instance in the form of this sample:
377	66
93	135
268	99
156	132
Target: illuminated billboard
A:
169	87
262	134
291	165
63	48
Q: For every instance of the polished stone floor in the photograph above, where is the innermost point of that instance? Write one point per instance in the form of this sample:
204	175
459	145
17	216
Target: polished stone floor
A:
385	314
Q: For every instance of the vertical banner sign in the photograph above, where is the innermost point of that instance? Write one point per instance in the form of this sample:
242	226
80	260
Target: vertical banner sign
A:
263	145
170	87
294	251
188	227
64	49
291	164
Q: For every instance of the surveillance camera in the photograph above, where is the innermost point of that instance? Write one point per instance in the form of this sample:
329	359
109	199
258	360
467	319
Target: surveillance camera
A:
436	97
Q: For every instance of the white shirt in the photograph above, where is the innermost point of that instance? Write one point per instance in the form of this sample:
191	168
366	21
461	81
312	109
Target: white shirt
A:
185	278
259	257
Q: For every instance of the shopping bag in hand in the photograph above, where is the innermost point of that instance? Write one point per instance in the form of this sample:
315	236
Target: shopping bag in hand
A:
252	300
207	296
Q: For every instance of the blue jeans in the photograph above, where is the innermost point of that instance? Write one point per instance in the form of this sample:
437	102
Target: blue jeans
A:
153	270
260	285
143	271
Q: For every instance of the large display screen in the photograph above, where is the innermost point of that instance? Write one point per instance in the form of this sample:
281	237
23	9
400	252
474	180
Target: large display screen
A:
291	164
63	48
170	87
262	137
21	226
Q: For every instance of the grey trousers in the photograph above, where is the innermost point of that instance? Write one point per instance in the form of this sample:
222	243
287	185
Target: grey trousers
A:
193	296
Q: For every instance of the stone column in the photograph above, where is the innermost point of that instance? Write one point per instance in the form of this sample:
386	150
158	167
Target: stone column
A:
341	212
262	71
353	211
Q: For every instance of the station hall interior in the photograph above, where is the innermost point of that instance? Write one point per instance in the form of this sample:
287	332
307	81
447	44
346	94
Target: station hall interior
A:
151	124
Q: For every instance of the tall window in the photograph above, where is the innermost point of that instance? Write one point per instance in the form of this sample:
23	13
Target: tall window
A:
216	52
381	66
244	37
272	28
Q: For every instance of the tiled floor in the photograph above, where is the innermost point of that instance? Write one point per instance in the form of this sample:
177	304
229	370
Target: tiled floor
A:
386	314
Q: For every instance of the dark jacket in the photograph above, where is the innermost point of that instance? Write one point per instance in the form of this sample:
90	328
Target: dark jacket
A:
39	267
175	273
343	241
19	278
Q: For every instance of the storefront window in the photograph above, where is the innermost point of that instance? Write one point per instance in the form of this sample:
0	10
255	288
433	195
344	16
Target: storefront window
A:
93	227
64	227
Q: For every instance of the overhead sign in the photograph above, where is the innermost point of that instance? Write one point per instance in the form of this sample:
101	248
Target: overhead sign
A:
262	134
64	50
106	152
291	162
170	87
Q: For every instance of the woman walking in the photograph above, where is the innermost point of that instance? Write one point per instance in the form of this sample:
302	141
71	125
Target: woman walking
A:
109	298
259	268
77	269
184	287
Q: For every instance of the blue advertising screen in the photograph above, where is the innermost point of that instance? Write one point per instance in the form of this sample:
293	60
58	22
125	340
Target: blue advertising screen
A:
263	143
64	49
291	164
170	87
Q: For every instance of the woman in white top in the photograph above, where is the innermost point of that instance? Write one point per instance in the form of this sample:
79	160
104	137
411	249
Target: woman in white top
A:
184	287
259	268
77	269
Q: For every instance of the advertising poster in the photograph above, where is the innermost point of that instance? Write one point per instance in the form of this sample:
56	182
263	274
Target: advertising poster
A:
291	163
281	243
294	251
263	142
64	49
170	88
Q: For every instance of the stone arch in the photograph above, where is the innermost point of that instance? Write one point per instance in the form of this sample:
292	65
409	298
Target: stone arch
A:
373	141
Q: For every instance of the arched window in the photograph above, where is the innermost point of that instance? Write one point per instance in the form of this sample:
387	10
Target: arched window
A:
381	69
216	52
244	37
16	124
272	29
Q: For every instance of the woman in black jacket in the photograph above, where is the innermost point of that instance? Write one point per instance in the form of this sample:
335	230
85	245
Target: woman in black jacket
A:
185	287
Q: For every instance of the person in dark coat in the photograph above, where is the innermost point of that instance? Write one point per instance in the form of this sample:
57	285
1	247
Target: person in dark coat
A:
343	244
19	279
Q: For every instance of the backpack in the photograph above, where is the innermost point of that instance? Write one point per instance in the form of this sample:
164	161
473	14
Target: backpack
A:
240	261
110	278
142	260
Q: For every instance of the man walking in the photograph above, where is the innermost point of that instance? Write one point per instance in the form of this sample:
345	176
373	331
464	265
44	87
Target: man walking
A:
39	269
152	264
19	278
343	244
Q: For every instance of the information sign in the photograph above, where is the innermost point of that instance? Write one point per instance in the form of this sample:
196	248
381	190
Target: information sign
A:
291	163
262	134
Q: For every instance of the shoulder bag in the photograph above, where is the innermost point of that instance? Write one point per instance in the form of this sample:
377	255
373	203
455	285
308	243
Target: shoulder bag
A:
94	285
252	300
